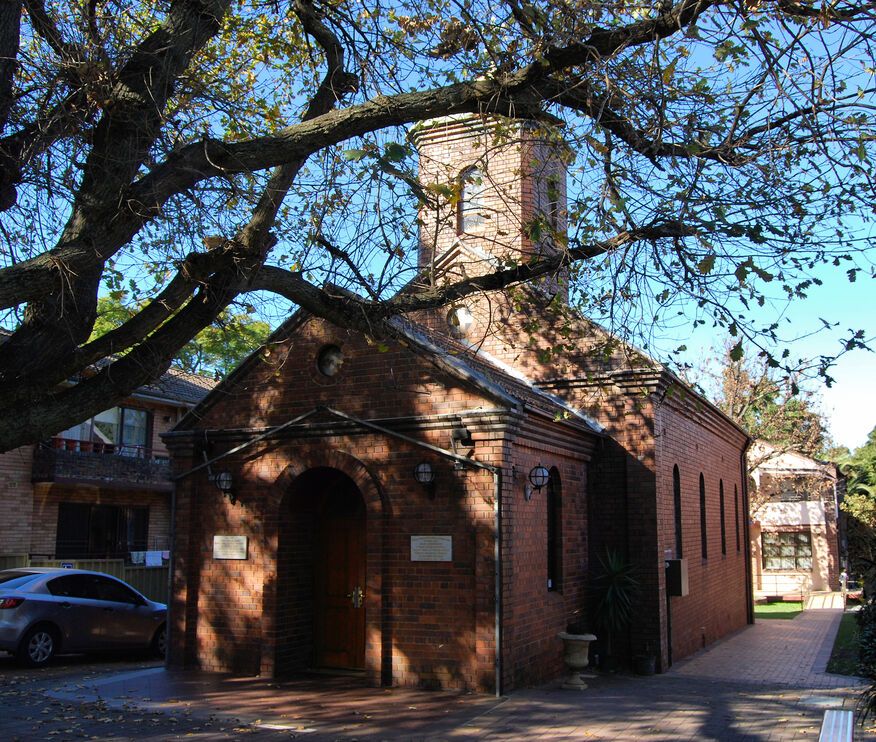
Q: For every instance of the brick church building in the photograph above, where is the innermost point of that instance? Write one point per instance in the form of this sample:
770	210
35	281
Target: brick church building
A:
431	513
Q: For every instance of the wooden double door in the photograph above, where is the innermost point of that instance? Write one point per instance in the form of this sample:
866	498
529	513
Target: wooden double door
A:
339	580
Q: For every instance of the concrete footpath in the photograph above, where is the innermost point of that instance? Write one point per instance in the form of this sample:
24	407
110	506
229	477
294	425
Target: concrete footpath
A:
767	682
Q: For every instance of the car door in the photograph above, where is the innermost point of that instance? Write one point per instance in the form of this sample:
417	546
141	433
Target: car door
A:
128	621
77	612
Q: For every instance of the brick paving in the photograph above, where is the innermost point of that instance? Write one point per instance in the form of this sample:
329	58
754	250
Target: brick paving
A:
767	682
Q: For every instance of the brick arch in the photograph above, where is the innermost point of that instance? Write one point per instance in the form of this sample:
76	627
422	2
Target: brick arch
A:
376	505
354	468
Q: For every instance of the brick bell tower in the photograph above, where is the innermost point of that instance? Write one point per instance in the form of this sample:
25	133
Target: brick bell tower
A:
499	199
500	189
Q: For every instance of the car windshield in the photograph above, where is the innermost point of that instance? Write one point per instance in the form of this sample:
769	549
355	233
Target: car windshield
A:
13	580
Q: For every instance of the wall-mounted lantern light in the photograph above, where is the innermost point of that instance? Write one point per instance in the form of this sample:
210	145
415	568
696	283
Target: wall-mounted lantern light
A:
539	476
424	473
225	482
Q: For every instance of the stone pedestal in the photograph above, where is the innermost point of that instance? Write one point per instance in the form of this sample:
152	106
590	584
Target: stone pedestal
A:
576	657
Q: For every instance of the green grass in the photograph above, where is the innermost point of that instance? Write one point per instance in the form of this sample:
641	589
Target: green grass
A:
777	610
844	657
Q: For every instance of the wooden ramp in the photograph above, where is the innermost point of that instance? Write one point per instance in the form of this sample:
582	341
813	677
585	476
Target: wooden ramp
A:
823	600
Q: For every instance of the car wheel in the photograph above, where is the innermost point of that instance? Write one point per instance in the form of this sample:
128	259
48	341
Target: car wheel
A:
37	647
159	642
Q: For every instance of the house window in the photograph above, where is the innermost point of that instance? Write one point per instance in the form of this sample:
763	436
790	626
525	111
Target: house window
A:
87	531
676	494
736	514
126	430
704	537
788	550
790	494
723	520
554	538
469	214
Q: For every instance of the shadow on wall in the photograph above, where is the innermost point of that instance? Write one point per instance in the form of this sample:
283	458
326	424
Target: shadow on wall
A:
425	624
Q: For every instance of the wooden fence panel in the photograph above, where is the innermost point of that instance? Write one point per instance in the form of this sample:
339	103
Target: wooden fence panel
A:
11	561
151	581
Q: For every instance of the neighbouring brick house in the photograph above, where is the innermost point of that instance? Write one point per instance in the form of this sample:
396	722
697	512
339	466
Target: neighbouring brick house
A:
330	553
795	535
101	489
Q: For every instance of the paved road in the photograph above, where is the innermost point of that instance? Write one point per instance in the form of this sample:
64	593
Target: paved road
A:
765	683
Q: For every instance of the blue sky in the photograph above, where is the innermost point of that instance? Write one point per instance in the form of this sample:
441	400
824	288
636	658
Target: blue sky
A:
850	404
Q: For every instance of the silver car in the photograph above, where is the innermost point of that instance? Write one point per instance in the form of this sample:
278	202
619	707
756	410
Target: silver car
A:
44	612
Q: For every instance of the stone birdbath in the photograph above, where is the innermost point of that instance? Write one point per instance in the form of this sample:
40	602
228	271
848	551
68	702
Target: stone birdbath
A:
576	657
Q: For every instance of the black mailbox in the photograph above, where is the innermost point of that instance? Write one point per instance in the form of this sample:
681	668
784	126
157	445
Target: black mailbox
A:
676	577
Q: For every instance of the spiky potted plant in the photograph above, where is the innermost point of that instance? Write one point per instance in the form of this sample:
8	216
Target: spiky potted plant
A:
614	588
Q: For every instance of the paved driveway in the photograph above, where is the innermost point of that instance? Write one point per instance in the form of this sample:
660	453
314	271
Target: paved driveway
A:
765	683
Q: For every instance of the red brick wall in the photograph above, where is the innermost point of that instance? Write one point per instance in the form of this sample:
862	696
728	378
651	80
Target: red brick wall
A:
425	620
534	615
516	159
429	624
697	442
15	515
164	418
433	624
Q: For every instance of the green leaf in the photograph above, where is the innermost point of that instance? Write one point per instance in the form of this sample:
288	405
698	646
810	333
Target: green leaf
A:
395	152
355	155
737	352
706	265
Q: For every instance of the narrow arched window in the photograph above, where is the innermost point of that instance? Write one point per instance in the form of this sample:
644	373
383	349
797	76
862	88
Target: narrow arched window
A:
704	536
736	514
676	496
554	531
553	201
470	209
723	521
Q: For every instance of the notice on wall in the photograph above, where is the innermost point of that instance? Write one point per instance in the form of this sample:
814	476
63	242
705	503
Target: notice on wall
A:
431	548
229	547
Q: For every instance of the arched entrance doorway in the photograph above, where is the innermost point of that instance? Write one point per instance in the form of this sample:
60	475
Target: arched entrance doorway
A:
321	574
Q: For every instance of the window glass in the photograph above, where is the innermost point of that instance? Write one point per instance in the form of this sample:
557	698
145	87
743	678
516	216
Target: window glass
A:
789	494
13	580
790	550
554	521
135	425
723	516
109	589
736	515
106	425
470	209
80	432
100	531
704	536
124	427
676	495
553	201
72	586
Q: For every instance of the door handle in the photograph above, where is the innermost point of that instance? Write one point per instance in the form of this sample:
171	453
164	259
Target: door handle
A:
357	596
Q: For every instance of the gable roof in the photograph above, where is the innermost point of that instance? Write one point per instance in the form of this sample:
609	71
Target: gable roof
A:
485	373
176	385
491	374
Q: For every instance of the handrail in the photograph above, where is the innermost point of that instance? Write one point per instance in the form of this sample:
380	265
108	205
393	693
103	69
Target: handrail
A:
98	447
